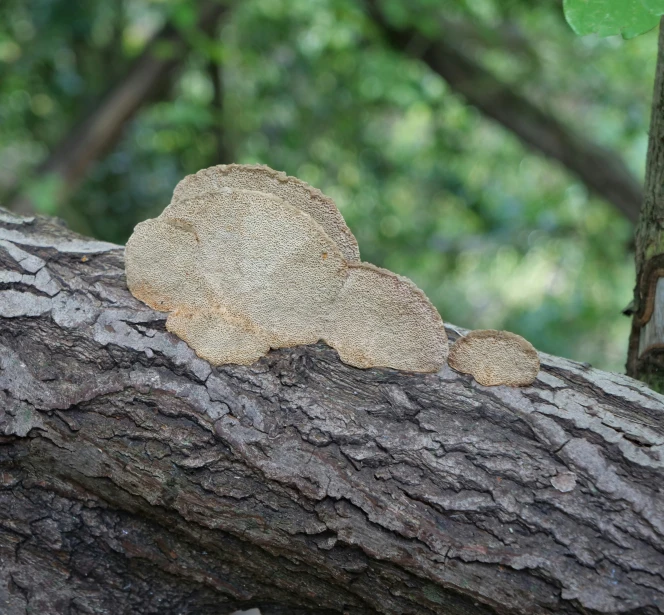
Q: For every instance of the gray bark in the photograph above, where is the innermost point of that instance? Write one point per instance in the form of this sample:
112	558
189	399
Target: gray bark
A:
645	360
137	479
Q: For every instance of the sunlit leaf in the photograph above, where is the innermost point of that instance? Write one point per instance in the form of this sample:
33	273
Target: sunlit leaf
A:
609	17
656	7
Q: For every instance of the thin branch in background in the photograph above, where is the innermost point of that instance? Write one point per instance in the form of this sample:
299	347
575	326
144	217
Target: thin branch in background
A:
147	79
223	155
602	170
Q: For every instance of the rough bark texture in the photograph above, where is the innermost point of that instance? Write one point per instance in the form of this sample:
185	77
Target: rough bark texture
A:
601	170
137	479
646	359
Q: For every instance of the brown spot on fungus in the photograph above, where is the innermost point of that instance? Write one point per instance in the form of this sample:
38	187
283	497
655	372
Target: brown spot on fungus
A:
264	179
495	357
240	272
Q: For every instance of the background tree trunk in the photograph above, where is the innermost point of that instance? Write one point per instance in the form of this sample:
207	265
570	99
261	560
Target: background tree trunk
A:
147	79
137	479
603	171
646	360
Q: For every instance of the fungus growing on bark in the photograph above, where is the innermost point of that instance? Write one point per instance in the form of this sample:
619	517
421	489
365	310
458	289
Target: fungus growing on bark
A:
381	318
495	357
242	271
264	179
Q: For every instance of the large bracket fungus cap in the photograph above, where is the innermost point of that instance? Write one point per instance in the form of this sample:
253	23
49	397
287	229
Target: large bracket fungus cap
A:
242	271
240	267
495	357
264	179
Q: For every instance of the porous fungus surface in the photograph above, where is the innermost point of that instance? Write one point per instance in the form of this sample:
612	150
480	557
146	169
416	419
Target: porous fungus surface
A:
495	357
264	179
161	265
242	271
219	337
266	261
383	319
242	255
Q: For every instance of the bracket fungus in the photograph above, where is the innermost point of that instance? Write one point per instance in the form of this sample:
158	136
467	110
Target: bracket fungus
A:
264	179
246	259
495	357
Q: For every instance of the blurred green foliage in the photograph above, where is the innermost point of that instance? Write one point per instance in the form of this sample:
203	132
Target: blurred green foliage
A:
497	236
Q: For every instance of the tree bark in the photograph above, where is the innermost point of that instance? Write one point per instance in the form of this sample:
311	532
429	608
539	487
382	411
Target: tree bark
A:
135	478
601	170
646	359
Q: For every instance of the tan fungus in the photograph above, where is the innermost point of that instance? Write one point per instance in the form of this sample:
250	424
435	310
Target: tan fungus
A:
264	179
242	271
396	323
495	357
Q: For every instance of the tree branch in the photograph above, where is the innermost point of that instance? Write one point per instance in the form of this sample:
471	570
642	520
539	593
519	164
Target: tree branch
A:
147	78
223	156
601	170
136	478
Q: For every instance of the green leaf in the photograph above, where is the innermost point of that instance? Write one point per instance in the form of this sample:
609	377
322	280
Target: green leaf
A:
656	7
609	17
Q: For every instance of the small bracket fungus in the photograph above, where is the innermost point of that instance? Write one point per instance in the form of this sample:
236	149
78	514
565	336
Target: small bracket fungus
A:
246	259
495	357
